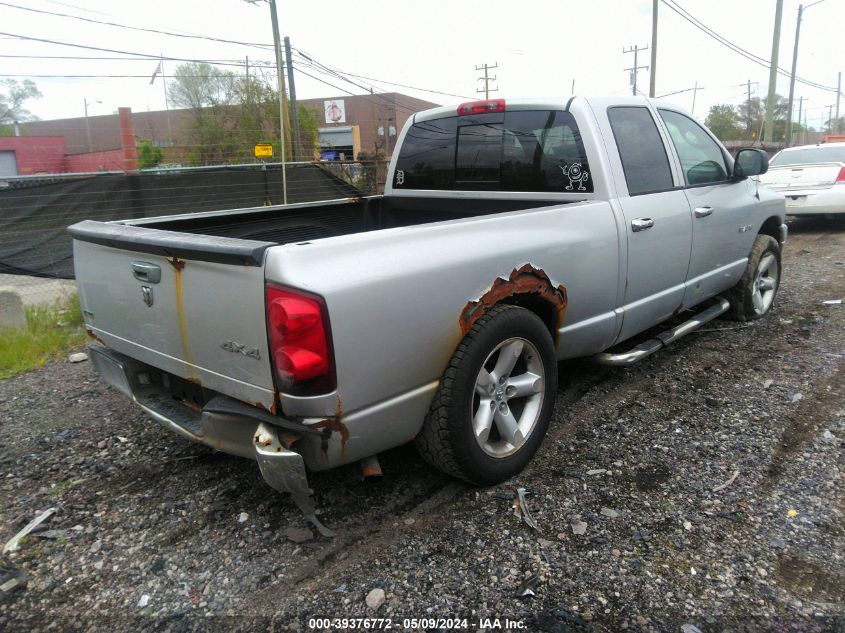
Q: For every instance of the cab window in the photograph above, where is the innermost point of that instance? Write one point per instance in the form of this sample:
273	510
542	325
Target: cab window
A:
524	150
701	157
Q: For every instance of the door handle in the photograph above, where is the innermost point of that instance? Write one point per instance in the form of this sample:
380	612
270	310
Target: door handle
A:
641	224
703	212
146	272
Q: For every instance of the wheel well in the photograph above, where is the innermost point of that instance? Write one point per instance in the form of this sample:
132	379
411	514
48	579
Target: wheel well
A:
771	227
539	306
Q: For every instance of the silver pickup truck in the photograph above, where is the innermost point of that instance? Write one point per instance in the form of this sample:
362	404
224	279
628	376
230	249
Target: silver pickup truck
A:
511	235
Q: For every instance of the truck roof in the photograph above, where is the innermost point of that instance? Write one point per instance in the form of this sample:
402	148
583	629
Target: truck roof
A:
548	103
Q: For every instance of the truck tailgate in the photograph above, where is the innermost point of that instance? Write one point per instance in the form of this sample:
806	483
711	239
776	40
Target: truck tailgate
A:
191	305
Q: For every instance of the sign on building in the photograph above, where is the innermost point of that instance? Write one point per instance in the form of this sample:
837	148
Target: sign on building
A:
263	150
335	110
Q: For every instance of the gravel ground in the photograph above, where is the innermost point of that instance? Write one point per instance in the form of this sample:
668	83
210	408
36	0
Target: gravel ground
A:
703	489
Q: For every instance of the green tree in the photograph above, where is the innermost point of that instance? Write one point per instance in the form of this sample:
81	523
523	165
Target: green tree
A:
231	113
752	113
723	122
149	155
16	94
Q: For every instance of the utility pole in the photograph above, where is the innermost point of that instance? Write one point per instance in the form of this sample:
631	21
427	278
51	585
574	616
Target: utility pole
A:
792	77
277	46
750	123
487	79
805	127
694	95
830	119
806	130
635	50
652	80
800	109
572	91
838	93
87	125
768	130
294	113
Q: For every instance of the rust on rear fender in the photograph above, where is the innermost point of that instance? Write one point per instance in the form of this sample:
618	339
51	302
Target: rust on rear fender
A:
525	280
336	425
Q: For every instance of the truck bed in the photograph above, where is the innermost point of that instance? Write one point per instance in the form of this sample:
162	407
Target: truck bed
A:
312	221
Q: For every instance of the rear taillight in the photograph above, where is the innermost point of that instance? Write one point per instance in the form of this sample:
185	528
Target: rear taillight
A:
840	179
300	347
482	107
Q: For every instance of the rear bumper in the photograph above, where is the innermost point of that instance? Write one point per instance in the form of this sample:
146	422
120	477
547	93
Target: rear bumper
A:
223	423
815	201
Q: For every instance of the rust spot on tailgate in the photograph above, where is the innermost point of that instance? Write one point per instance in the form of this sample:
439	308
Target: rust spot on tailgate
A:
94	337
179	289
526	280
178	264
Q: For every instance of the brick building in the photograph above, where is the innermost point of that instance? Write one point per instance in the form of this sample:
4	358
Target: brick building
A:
349	126
355	124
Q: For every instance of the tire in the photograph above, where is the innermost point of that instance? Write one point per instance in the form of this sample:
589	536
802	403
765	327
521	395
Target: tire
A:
753	296
467	398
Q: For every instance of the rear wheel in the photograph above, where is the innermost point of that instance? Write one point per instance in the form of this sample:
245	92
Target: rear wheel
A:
495	399
755	293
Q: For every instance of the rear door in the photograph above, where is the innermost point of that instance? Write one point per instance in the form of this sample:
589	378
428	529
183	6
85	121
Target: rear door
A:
657	221
191	305
722	209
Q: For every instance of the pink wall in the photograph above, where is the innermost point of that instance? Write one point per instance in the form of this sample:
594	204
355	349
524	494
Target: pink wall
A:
108	160
36	154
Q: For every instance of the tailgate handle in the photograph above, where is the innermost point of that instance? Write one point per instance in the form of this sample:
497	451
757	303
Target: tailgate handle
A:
146	272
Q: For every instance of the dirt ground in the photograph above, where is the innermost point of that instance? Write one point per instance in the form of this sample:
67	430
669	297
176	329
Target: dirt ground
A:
701	490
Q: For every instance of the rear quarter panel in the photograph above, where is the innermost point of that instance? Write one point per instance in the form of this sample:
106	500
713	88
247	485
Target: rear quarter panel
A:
395	296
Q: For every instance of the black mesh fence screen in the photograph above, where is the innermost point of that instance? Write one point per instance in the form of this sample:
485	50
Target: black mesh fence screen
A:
35	213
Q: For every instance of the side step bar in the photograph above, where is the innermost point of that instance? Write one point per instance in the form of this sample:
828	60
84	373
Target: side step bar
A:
663	339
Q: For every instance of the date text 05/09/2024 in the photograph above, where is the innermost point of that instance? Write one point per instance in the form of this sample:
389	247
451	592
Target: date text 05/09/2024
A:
487	624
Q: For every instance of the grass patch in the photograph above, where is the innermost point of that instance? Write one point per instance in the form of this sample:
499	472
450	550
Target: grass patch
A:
49	332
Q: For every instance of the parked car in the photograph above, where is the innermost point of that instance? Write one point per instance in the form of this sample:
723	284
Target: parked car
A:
511	235
811	177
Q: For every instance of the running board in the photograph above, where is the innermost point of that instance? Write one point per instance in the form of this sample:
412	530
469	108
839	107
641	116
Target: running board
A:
664	338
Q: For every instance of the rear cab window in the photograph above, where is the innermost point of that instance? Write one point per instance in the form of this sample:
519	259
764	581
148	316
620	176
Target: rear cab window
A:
641	150
519	151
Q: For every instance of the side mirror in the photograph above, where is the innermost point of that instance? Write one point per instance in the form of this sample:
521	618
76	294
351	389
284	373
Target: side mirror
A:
750	162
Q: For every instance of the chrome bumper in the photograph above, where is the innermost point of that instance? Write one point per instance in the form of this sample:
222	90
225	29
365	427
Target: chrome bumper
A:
223	423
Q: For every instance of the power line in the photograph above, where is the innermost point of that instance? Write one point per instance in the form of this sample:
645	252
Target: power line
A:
112	50
146	76
138	28
97	58
323	69
736	48
393	83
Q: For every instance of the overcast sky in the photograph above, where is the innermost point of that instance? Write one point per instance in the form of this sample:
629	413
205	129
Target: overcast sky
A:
540	47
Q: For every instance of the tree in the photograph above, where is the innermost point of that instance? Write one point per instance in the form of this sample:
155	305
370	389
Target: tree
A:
756	107
11	103
231	113
723	122
149	155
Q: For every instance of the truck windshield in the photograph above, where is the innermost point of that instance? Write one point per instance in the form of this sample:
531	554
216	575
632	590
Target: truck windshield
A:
528	150
809	155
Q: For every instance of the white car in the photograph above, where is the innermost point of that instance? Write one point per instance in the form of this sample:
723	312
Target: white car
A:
811	177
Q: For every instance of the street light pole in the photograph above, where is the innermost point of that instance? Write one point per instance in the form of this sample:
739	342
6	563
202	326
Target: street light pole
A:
277	46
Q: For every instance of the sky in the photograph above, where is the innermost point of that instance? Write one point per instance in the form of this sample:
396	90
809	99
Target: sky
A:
540	48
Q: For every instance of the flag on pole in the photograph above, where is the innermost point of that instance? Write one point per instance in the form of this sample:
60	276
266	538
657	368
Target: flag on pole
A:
155	74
